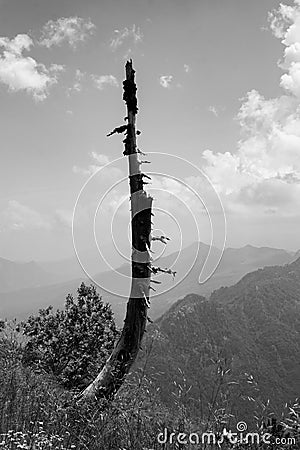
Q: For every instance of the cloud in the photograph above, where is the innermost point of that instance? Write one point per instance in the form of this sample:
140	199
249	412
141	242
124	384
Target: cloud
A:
186	68
285	24
63	217
21	72
77	83
20	217
267	158
174	195
165	81
77	86
90	170
103	80
213	110
281	18
66	29
265	169
101	159
17	45
134	34
110	173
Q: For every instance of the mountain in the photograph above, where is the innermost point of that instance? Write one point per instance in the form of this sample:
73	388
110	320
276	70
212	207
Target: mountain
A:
114	286
296	255
234	264
69	268
19	275
251	328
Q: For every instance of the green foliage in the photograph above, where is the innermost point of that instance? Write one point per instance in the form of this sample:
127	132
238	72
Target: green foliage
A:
72	344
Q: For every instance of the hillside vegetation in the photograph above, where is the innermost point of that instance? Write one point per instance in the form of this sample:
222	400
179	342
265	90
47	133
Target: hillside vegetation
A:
207	364
251	330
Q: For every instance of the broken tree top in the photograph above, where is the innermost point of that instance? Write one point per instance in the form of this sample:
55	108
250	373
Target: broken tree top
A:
129	87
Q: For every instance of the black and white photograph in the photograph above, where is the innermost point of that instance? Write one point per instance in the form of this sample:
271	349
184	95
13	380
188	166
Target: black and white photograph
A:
150	224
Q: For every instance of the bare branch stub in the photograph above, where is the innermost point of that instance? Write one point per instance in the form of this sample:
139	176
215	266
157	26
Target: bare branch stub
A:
119	130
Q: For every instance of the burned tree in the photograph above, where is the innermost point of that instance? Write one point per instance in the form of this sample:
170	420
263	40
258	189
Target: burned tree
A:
111	377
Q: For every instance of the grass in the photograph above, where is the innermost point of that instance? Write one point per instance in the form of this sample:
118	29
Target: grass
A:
36	413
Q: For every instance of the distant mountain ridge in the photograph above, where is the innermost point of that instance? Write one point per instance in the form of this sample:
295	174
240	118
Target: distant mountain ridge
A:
234	265
21	275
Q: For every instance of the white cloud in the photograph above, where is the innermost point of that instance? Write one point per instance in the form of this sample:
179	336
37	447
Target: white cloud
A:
90	170
174	195
165	81
102	80
20	217
186	68
279	19
77	83
63	217
213	110
21	72
17	45
66	29
134	34
77	86
285	24
110	173
265	169
101	159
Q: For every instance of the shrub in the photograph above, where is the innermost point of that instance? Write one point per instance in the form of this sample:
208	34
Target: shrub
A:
72	344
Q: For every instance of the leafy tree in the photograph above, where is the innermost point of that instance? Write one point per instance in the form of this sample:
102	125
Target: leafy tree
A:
72	344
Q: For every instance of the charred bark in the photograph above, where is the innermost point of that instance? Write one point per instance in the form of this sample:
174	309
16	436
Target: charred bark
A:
111	377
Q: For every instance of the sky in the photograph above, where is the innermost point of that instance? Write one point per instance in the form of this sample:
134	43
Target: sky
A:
218	94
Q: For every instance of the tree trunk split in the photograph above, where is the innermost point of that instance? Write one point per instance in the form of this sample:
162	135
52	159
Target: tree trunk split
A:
111	377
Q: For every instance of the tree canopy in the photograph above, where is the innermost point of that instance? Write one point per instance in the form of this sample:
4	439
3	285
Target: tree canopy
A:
73	343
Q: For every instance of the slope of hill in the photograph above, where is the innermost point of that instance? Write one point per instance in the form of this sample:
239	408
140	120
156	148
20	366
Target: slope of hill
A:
18	275
252	327
234	264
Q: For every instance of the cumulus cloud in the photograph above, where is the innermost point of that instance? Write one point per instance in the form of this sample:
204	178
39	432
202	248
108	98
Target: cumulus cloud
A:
186	68
165	81
285	24
71	30
101	81
265	168
20	72
133	34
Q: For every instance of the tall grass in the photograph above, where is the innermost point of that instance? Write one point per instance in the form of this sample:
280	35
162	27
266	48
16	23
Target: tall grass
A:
36	413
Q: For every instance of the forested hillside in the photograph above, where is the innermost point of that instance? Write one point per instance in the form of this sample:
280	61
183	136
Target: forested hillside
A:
251	328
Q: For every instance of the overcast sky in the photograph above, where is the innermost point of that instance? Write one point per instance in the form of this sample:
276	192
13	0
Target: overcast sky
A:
218	85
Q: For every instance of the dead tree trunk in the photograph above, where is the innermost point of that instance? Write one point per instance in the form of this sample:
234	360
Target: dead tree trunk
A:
111	377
